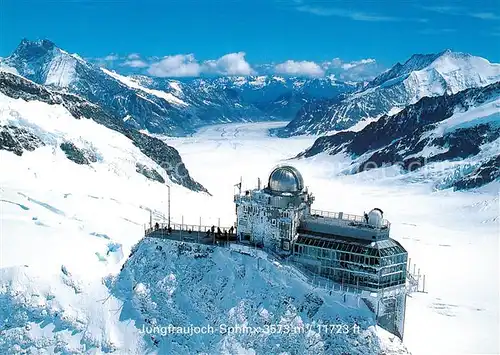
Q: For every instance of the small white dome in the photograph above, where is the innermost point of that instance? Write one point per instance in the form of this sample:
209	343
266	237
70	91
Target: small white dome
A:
286	179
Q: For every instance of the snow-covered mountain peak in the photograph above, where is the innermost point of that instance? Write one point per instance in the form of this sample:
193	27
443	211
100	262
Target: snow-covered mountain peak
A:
422	75
34	47
418	61
472	71
42	61
415	62
450	73
454	64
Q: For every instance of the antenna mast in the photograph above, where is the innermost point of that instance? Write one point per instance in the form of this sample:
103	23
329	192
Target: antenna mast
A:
168	206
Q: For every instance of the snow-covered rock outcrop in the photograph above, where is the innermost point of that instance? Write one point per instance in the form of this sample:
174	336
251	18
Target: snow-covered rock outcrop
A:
188	285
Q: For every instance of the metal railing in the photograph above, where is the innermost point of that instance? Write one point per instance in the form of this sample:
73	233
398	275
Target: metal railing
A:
186	227
345	218
189	232
415	280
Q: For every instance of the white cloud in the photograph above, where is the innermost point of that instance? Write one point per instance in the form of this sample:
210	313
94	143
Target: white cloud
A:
461	11
485	15
235	64
350	65
111	57
358	70
175	66
229	64
134	56
353	15
447	10
291	67
135	63
186	65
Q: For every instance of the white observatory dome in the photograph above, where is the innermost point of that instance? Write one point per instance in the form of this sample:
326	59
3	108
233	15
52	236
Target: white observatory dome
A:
286	179
376	217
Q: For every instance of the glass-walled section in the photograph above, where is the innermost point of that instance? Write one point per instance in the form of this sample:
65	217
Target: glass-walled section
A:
370	265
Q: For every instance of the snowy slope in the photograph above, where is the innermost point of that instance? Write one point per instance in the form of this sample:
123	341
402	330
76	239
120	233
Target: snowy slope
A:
56	213
61	70
421	76
133	84
20	134
53	124
64	225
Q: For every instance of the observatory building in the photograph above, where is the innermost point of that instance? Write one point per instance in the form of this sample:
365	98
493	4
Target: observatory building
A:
354	251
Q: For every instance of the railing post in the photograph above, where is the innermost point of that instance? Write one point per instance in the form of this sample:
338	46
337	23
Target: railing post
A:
182	226
199	230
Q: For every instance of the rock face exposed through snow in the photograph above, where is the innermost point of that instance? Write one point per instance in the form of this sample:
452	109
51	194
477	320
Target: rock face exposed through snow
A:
149	173
17	87
404	84
181	284
76	154
18	139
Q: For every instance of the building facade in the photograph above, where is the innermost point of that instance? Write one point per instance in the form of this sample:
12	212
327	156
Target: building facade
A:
355	251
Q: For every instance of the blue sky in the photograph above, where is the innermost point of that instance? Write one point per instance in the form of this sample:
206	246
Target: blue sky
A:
197	35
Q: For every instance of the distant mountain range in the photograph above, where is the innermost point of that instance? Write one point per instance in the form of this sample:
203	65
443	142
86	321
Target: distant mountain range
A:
429	75
440	107
174	107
